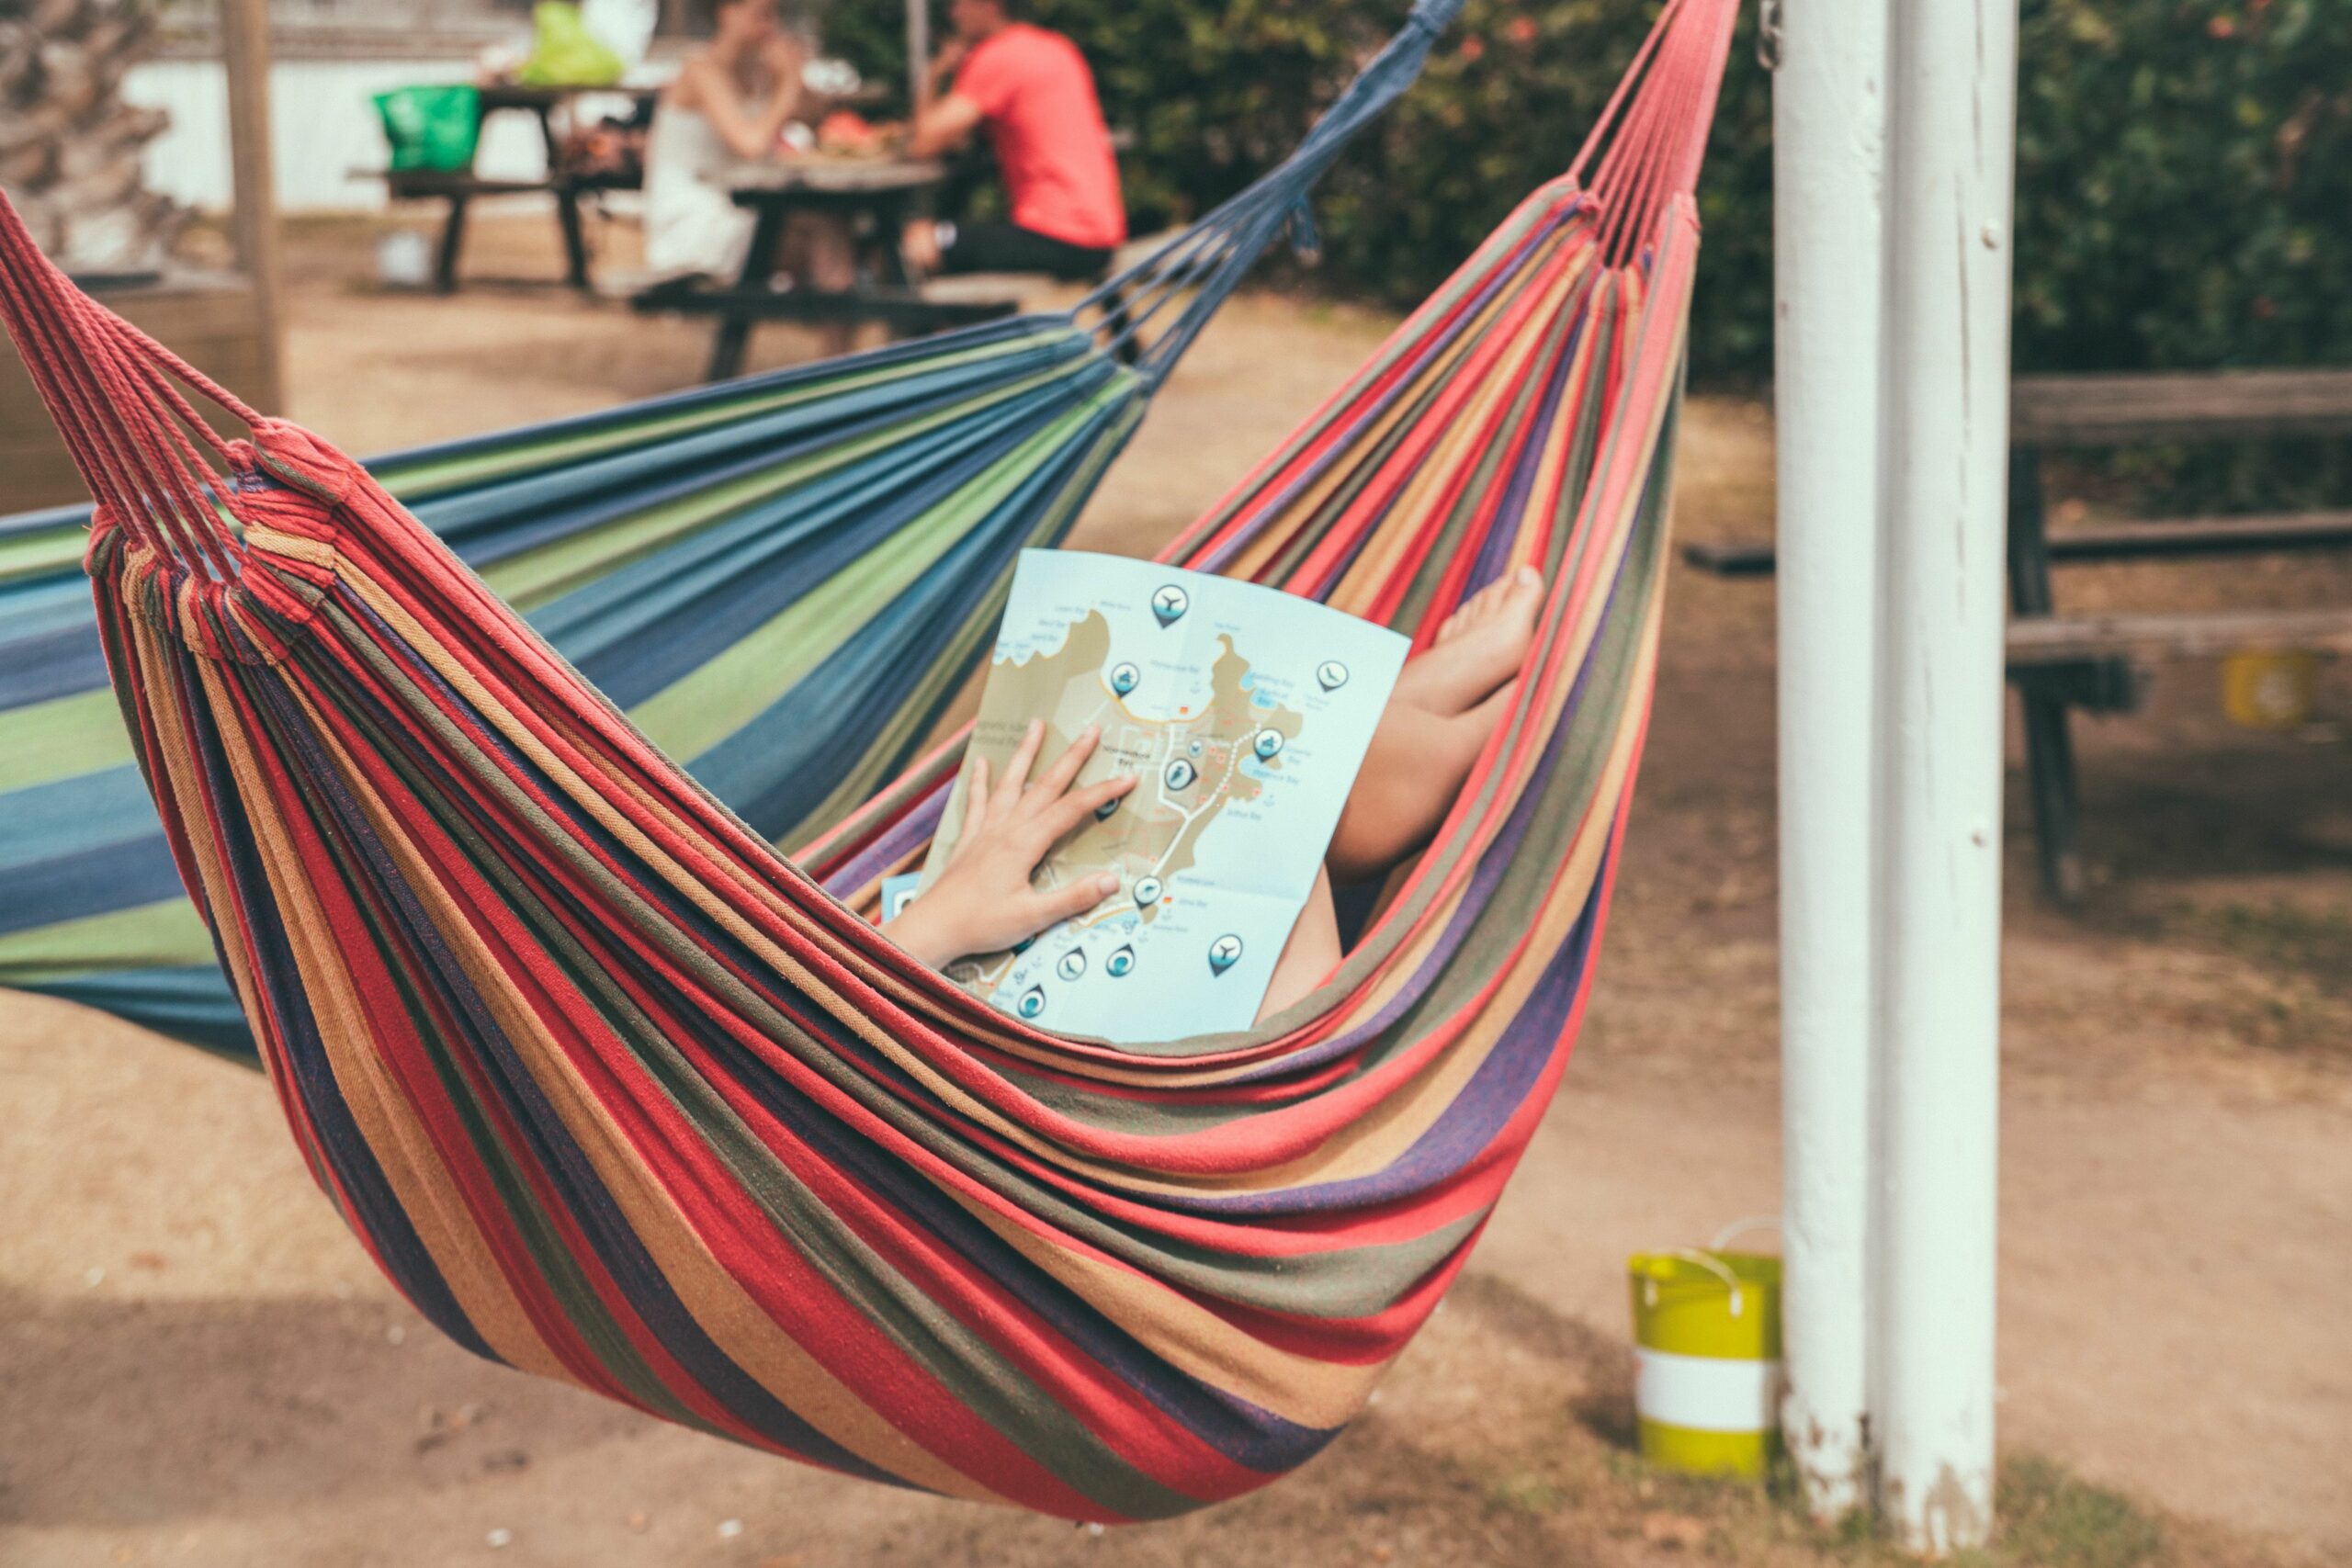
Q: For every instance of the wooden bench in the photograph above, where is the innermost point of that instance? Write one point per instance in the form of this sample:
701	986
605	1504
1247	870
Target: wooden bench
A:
459	187
869	198
2061	663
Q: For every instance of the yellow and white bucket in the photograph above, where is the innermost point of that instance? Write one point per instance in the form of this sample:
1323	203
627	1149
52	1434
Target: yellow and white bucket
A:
1707	1337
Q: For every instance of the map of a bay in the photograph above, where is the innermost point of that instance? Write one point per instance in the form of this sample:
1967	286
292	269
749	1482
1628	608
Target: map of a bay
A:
1244	713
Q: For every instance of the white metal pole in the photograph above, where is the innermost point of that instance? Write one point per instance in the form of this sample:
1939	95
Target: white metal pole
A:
1828	123
918	54
1952	95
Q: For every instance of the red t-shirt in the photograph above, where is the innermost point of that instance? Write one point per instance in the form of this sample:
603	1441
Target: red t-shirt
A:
1037	95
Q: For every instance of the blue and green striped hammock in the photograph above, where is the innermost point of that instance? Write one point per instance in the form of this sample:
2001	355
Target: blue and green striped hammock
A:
781	579
615	1093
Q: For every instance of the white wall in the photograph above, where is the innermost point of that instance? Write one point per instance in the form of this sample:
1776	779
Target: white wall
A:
323	126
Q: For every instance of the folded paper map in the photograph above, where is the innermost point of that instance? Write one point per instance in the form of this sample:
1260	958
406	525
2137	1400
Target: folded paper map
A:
1244	712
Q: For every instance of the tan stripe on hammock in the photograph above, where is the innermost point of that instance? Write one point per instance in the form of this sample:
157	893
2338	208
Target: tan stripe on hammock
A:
1195	1340
738	1325
1253	558
411	1163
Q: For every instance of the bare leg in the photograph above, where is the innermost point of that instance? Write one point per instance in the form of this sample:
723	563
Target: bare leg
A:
1412	774
1480	646
825	257
1311	955
919	244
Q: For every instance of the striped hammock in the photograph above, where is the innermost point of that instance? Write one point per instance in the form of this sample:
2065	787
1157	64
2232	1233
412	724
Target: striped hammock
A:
615	1093
781	579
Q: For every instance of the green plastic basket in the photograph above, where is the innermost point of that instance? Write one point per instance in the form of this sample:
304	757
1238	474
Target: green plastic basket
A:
432	128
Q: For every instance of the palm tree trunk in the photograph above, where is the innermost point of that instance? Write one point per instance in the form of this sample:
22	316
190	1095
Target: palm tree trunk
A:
70	147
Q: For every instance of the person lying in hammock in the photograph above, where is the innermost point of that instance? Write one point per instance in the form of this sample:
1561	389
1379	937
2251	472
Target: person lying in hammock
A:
1444	705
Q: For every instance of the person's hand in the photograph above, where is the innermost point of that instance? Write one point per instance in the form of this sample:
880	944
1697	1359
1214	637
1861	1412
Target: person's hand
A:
919	243
983	901
950	55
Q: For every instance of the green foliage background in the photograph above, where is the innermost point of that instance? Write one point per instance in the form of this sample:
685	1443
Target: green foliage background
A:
2183	167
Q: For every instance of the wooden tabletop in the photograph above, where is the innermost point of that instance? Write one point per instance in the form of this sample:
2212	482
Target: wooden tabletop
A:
820	172
515	95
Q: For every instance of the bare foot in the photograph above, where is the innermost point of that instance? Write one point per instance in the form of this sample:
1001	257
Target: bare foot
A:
1480	647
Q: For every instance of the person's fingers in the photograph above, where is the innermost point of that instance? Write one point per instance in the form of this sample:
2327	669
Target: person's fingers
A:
1051	785
1069	902
1048	828
1016	770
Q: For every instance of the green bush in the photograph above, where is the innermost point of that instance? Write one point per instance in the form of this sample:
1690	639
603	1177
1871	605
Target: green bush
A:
2184	166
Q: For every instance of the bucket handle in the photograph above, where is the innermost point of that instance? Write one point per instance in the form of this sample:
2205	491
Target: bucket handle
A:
1714	1264
1741	1227
1706	1260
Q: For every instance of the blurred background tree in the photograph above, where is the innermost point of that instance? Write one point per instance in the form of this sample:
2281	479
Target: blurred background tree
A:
2184	168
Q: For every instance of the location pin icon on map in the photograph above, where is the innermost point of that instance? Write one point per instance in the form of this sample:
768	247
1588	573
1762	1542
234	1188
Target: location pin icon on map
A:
1170	604
1223	953
1330	674
1268	745
1181	774
1125	678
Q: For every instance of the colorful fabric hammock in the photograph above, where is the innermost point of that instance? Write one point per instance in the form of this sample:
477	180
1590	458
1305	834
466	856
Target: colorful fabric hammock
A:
781	579
616	1094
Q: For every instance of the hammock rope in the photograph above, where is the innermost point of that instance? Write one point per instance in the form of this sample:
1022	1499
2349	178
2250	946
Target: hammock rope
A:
782	580
615	1093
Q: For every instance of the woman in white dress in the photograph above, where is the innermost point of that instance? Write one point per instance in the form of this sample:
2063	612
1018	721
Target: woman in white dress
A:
730	103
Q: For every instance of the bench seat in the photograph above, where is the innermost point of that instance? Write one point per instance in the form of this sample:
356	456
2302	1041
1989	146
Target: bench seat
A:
2153	538
2065	639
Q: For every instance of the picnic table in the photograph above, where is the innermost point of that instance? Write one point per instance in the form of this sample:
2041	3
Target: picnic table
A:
459	187
2059	662
872	197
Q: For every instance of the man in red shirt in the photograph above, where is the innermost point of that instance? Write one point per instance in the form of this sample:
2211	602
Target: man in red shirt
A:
1031	91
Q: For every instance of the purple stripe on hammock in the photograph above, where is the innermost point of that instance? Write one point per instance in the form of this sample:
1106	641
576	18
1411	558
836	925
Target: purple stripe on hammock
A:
1414	1168
1499	544
909	833
1257	1439
1506	271
338	1143
552	1147
1465	1130
1492	866
1492	553
1242	1432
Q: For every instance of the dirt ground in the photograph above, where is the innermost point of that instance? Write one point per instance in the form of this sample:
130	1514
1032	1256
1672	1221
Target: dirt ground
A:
199	1367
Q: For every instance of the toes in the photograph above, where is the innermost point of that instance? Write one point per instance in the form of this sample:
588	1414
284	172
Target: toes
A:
1524	590
1518	591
